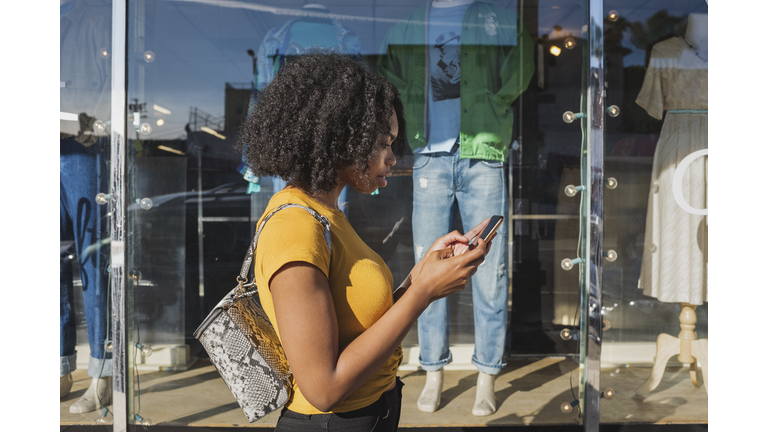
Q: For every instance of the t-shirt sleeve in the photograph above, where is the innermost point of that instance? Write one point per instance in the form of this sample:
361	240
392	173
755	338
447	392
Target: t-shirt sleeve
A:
651	96
292	235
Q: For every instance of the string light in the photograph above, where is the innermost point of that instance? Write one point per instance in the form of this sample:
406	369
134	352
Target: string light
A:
570	116
146	350
567	407
572	190
567	264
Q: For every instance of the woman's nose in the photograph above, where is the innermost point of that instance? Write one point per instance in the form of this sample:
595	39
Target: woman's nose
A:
391	159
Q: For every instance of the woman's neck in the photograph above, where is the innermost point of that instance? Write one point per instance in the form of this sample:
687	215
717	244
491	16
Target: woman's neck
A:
697	32
328	199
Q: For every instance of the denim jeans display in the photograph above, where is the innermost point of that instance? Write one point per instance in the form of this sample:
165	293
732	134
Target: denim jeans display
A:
442	184
80	221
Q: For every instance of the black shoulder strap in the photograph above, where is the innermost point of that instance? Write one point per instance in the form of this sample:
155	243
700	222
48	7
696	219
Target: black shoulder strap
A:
252	249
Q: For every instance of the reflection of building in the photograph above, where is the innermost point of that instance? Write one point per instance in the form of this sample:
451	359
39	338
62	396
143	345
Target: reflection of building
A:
236	97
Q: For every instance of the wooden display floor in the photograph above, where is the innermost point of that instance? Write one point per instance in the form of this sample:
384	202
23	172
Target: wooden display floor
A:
528	392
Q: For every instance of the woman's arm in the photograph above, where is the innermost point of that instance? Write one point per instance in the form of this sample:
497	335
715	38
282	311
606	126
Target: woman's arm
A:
327	373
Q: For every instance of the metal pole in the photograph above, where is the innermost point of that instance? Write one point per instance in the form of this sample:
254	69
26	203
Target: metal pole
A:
119	317
592	231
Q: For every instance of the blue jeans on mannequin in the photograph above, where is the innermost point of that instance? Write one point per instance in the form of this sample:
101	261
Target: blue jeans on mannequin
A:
443	183
80	220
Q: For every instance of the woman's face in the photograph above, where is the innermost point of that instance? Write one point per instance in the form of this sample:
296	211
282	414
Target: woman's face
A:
378	166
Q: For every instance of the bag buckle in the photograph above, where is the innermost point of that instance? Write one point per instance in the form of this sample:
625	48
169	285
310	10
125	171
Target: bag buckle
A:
241	283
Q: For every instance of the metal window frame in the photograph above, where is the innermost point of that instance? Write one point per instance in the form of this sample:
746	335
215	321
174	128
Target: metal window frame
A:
119	317
592	216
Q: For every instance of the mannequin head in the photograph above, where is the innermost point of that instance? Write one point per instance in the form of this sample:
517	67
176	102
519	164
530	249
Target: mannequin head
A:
696	33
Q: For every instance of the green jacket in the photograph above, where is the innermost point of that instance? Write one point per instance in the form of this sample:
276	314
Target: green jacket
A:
496	66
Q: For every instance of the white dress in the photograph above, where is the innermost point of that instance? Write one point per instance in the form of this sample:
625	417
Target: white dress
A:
674	267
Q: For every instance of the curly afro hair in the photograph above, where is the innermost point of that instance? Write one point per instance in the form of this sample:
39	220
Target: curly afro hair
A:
323	112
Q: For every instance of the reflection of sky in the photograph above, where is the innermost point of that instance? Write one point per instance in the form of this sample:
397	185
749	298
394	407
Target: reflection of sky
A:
202	44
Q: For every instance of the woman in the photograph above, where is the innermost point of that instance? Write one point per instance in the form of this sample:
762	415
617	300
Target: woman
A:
326	122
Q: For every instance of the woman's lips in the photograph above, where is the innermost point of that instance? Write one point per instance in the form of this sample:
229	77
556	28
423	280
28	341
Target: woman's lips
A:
382	179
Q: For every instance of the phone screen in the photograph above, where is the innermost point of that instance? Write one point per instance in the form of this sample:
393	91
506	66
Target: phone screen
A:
491	228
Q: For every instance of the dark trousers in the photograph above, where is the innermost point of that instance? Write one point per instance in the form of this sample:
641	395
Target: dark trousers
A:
381	416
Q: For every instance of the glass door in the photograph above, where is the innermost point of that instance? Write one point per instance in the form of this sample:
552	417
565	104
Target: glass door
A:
655	309
86	72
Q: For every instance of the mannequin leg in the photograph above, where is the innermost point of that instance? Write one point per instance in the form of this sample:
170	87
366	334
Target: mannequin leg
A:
482	193
79	177
98	395
485	397
433	216
429	400
666	347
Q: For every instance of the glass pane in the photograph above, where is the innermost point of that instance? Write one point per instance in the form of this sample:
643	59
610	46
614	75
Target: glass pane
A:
656	60
192	205
84	147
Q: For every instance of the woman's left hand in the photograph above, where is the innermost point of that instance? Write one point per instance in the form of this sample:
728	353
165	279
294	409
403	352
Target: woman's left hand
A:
454	241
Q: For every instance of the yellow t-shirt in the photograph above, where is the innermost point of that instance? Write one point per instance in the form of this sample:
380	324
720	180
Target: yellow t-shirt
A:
359	280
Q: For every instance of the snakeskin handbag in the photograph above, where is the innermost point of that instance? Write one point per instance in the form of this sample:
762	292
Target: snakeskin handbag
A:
243	344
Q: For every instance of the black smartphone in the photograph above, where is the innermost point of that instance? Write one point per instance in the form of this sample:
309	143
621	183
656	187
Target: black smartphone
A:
491	228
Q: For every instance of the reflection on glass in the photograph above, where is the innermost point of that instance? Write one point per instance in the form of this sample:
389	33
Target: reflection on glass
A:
84	103
657	78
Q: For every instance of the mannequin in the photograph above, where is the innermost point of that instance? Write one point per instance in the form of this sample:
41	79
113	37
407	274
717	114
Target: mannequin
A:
674	267
294	38
83	151
459	126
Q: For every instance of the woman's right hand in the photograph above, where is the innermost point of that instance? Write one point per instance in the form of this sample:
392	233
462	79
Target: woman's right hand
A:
443	273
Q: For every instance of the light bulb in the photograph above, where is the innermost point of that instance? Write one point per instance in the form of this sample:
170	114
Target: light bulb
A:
146	350
613	110
569	43
606	324
608	393
566	334
611	255
567	264
136	274
145	203
160	122
567	407
149	56
104	53
99	126
103	419
102	198
570	116
613	16
141	420
611	183
108	345
572	190
145	129
554	50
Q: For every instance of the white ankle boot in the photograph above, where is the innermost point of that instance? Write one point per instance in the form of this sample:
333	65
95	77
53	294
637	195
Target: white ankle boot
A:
98	395
485	398
65	385
429	399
